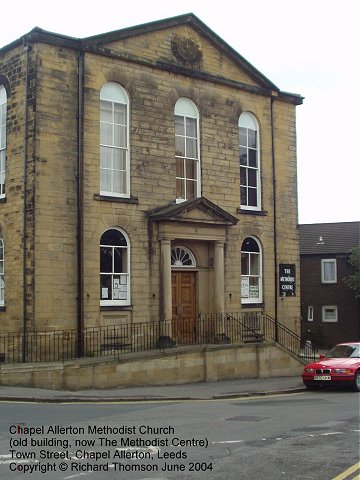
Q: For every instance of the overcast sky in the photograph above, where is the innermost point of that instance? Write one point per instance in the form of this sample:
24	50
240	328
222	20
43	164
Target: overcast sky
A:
309	47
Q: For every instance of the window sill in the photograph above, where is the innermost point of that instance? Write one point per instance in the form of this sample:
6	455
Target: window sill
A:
261	213
252	305
114	308
3	200
105	198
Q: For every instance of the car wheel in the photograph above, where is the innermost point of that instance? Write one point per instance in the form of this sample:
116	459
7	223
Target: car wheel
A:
356	385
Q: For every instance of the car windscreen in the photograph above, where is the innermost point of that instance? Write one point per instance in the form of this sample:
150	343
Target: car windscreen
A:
344	351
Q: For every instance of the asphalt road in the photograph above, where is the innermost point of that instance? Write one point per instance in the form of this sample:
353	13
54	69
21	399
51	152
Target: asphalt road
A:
309	435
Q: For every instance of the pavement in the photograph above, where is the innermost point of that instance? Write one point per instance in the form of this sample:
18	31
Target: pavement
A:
224	389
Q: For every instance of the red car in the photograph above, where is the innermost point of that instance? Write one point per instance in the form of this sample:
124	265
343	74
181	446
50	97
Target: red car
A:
340	366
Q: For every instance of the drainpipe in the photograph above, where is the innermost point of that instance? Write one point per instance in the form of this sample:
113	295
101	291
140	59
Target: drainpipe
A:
275	216
80	219
26	129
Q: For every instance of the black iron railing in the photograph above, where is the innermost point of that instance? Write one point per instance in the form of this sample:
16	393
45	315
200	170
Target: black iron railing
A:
53	346
262	327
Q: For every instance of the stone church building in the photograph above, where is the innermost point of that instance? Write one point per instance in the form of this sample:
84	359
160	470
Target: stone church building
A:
146	174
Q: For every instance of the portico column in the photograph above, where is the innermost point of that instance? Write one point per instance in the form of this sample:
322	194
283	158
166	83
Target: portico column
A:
166	300
219	276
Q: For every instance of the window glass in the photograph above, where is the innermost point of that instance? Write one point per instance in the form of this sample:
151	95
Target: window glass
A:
250	194
329	314
328	270
114	132
251	275
187	156
114	268
182	257
2	286
3	113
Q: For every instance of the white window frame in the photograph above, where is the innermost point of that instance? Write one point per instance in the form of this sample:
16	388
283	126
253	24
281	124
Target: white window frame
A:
2	272
182	257
310	313
329	307
324	262
247	124
122	278
186	109
3	125
116	95
249	278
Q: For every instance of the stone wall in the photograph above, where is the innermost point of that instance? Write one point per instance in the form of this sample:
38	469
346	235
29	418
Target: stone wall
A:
180	366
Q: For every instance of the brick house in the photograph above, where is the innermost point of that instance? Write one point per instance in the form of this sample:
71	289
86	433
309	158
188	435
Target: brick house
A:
146	174
330	311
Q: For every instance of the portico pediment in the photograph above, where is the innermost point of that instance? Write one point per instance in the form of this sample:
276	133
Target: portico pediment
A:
198	210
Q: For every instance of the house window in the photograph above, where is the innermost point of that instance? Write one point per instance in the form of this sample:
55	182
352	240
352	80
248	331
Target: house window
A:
328	270
114	268
187	156
114	141
251	267
3	111
329	313
310	313
2	285
250	194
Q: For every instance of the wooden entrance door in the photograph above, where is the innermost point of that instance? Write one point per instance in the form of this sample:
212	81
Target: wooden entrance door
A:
183	307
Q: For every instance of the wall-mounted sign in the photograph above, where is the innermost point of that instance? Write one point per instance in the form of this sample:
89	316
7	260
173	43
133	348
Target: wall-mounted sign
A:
287	280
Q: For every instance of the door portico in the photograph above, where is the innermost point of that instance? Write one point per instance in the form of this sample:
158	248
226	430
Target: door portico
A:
198	222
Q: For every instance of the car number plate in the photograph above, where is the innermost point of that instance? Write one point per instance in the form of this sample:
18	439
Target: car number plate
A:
322	377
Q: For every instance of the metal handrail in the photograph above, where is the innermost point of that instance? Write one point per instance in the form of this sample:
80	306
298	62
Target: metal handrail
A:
206	329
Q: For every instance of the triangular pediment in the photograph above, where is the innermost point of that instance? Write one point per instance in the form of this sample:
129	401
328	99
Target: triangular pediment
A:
182	45
199	210
183	42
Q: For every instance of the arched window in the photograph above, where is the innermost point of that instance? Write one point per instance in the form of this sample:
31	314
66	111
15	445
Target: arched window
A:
114	141
251	268
182	257
3	112
114	268
187	155
250	184
2	285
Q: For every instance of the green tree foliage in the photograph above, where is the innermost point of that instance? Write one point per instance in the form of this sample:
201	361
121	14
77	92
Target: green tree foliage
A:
353	280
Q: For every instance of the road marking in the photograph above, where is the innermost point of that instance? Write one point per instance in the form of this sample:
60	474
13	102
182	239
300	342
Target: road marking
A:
77	475
348	472
16	460
230	441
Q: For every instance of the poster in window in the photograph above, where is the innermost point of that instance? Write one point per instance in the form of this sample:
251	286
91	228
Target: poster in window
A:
104	293
287	280
245	287
254	291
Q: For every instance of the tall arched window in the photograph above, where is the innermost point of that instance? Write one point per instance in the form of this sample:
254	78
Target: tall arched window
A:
251	271
114	268
2	285
114	141
187	154
3	111
250	184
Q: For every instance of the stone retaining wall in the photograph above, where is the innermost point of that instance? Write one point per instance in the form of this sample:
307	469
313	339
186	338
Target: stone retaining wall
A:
183	365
